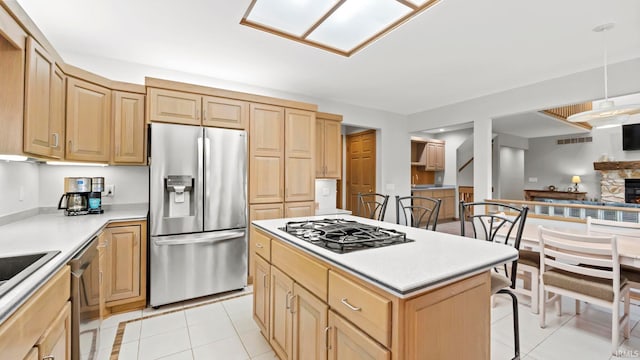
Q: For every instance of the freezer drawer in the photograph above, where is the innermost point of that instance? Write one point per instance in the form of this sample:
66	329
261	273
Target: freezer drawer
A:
194	265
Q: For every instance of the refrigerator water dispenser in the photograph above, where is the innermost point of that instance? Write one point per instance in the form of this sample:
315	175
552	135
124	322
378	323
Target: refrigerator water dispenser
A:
179	196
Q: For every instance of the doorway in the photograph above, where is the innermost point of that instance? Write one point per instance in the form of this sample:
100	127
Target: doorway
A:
361	166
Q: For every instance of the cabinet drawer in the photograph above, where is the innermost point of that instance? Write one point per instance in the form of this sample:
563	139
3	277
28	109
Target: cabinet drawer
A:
260	244
303	269
368	310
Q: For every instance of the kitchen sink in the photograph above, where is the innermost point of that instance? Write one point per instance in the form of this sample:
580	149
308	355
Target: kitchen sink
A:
15	269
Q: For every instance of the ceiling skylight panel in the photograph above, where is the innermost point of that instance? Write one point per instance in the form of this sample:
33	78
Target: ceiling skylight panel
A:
356	21
294	17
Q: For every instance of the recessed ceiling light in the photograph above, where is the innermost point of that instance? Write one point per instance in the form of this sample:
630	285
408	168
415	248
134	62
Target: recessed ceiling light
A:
339	26
441	130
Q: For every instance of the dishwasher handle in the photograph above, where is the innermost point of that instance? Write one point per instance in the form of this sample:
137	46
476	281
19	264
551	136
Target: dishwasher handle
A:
198	238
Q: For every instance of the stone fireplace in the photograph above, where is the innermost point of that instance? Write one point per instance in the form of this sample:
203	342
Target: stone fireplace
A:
614	176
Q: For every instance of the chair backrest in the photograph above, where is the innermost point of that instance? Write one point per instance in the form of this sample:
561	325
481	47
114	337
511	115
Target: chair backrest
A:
608	227
591	255
372	205
417	211
496	223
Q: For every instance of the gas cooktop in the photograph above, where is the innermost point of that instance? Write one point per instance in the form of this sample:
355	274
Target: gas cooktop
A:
343	236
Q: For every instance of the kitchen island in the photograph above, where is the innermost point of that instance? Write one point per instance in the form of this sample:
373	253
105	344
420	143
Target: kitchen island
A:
413	300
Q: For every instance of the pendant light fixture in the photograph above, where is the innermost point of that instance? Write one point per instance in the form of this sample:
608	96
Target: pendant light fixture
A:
608	114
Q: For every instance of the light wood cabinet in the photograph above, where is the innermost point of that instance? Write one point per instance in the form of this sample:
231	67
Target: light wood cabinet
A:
128	128
281	321
448	197
194	109
435	156
259	243
55	342
88	121
348	342
319	311
266	154
299	209
123	255
44	103
428	153
174	106
300	126
41	322
309	325
328	146
261	303
224	113
32	355
123	265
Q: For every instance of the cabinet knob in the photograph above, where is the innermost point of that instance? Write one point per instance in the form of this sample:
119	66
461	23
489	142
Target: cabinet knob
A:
70	147
259	246
49	357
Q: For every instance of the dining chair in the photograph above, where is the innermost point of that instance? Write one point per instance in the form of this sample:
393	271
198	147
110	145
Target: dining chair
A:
496	223
372	205
418	211
622	230
587	268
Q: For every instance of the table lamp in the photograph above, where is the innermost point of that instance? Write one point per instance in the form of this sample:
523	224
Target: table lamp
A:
576	180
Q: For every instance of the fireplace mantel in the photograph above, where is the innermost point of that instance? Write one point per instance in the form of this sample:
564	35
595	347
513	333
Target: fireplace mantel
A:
616	165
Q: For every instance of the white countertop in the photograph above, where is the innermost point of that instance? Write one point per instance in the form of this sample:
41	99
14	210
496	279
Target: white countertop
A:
434	259
332	212
46	232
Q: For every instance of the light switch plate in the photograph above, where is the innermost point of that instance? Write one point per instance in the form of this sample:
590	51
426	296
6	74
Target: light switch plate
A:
533	179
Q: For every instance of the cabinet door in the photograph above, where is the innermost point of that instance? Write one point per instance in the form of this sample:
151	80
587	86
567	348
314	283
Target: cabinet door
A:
224	113
431	156
348	342
55	343
332	150
261	275
448	204
122	277
309	324
266	151
128	128
281	318
261	212
37	137
320	169
88	121
57	113
32	355
299	209
174	107
300	148
439	157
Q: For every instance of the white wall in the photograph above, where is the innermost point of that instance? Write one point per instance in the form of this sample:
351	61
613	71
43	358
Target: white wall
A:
131	182
555	164
453	140
511	174
18	178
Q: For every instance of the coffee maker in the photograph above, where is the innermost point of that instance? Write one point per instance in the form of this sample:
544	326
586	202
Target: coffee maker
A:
95	197
76	196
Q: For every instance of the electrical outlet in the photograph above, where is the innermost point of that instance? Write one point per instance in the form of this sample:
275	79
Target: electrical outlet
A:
533	179
21	194
109	190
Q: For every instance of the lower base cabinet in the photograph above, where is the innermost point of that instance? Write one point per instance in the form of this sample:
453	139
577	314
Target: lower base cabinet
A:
41	327
309	309
348	342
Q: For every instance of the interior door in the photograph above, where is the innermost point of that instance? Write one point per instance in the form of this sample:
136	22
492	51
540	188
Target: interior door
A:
361	166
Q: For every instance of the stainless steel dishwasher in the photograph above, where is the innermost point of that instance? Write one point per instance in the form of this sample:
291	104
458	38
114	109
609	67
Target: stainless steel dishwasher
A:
85	303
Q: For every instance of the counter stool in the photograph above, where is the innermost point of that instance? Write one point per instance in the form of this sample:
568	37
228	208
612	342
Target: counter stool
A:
372	205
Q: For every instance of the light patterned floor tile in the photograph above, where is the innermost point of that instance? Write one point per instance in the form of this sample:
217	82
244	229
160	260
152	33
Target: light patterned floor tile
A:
204	333
165	344
206	314
114	320
240	304
128	351
185	355
132	332
254	343
160	324
227	349
266	356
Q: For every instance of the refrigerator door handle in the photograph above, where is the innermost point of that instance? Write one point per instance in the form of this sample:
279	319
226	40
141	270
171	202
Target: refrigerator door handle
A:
198	238
207	175
200	184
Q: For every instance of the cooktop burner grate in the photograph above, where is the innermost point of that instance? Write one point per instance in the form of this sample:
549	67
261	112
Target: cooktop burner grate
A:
343	236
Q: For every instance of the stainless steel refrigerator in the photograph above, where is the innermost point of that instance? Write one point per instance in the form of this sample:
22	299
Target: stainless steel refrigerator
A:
198	212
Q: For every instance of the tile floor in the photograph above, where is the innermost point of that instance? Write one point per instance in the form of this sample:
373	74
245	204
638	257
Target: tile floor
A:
215	328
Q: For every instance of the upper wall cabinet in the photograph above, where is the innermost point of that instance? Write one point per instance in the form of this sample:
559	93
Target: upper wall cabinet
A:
328	146
194	109
428	153
300	148
266	154
128	128
44	104
88	121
